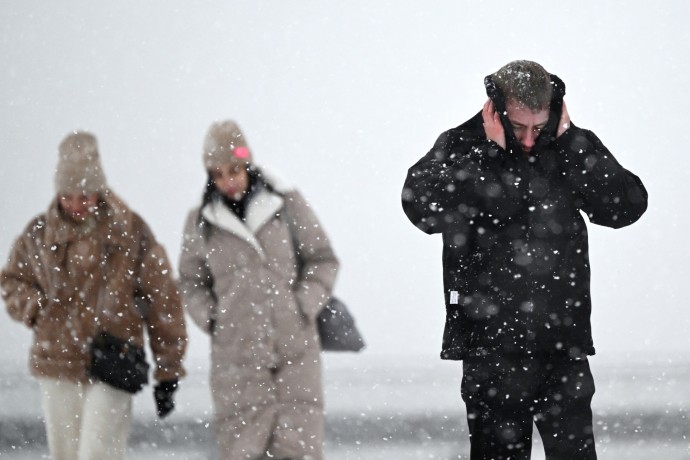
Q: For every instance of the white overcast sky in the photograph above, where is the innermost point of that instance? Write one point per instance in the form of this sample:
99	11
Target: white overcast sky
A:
340	98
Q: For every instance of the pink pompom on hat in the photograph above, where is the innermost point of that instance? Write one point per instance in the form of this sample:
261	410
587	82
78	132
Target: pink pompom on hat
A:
225	144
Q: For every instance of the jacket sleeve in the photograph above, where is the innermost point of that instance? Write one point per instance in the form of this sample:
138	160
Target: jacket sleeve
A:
319	263
457	179
196	281
165	319
609	194
21	288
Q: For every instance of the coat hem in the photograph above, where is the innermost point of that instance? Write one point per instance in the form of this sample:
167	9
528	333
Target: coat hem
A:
459	354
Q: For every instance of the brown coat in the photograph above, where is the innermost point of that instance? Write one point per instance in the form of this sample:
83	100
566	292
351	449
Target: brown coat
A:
241	280
67	283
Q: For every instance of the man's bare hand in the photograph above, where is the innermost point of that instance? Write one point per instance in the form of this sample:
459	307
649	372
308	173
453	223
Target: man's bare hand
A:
564	122
492	124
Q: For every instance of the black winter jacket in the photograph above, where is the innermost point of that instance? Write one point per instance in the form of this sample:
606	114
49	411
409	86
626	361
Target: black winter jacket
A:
515	254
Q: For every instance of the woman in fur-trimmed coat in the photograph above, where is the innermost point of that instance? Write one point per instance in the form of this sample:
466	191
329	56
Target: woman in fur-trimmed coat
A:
75	272
244	284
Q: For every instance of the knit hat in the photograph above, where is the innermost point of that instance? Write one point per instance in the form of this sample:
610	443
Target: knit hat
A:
79	166
225	144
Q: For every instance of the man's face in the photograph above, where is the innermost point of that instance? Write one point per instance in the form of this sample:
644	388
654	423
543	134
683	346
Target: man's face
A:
78	206
527	125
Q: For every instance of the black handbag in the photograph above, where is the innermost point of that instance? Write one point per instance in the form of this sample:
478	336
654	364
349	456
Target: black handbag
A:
337	329
336	326
118	363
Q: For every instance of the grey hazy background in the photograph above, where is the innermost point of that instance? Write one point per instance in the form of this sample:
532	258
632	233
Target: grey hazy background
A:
341	98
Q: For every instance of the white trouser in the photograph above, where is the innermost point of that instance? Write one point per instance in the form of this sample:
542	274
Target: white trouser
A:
86	421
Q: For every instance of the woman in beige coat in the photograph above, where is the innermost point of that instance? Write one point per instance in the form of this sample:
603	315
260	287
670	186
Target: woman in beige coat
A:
244	284
74	272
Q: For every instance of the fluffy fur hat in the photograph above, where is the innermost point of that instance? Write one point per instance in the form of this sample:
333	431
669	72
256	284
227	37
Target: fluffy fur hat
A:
225	144
79	166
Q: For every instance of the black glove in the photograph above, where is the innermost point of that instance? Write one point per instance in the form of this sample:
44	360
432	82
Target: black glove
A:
163	394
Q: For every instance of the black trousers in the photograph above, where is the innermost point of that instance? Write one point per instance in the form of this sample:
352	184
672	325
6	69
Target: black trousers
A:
505	394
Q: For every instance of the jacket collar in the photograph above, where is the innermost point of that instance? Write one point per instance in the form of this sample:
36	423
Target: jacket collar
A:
262	207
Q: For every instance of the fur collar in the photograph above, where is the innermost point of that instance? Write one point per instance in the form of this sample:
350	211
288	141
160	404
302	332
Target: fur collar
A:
114	221
262	207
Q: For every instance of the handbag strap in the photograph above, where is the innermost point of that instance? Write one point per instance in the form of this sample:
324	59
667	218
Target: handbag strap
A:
285	216
101	290
141	303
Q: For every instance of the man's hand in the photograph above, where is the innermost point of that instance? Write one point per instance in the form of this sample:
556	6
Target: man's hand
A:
492	124
564	122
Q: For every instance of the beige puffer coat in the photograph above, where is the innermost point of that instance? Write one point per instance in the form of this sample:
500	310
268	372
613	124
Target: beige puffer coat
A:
240	281
67	282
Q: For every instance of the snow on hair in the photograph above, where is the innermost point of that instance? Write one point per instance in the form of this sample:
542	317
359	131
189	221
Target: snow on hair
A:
525	82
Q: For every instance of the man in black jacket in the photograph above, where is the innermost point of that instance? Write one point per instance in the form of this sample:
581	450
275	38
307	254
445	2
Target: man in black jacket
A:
507	190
